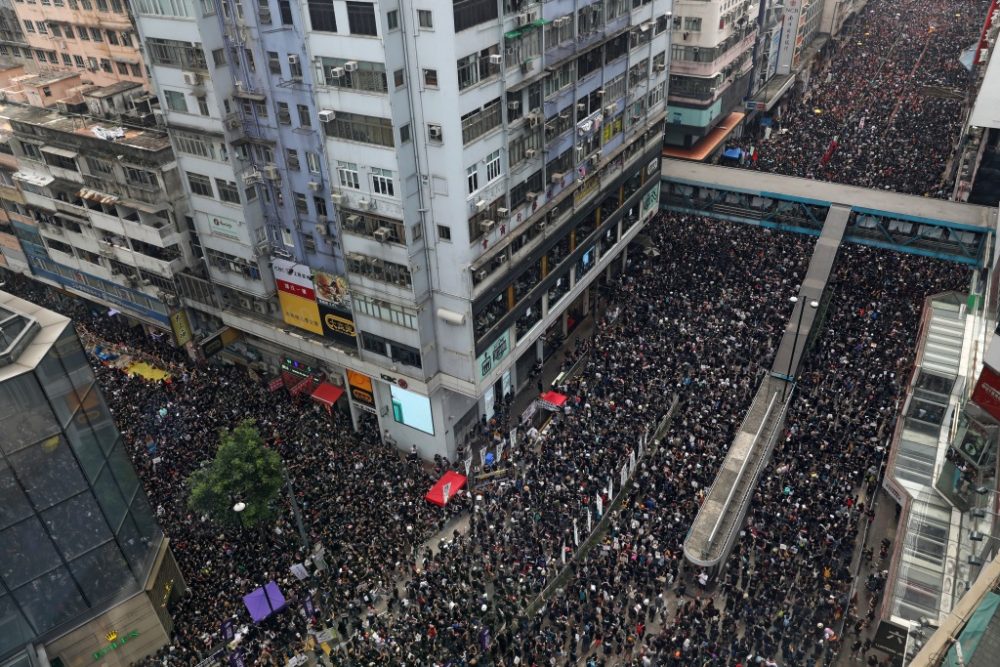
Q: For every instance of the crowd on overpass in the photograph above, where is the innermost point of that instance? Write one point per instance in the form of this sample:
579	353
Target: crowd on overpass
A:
884	109
698	322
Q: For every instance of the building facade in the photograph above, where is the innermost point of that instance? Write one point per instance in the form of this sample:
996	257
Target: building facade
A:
412	200
93	37
97	206
710	64
83	562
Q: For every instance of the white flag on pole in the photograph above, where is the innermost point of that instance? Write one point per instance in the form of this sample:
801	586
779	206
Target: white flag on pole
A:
468	465
590	525
562	552
611	489
623	475
632	461
499	451
446	492
600	505
576	534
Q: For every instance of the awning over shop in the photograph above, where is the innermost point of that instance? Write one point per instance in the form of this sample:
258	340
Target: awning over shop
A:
327	393
61	152
552	400
94	195
450	481
33	178
706	146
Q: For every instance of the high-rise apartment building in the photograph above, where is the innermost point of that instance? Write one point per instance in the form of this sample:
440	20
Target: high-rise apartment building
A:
413	199
86	576
93	37
710	64
97	206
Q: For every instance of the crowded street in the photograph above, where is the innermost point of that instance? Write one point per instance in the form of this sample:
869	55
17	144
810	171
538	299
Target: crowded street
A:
884	103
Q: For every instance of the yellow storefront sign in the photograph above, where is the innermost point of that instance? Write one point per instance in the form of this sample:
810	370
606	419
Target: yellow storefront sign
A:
300	312
181	327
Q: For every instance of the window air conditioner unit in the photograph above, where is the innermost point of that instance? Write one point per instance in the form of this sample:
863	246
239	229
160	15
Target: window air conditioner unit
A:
271	172
355	257
581	107
322	230
558	176
534	120
293	59
351	66
434	132
233	123
336	72
245	303
530	153
363	203
353	220
486	226
514	105
659	67
531	196
327	115
610	109
481	275
337	198
322	219
521	19
381	234
315	186
599	92
502	212
481	205
265	16
192	78
496	59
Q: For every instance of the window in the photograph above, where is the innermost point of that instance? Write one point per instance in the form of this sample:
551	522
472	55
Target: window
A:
479	122
319	203
175	100
313	162
96	35
78	61
62	162
477	66
141	177
383	310
292	159
404	133
321	15
692	24
200	185
366	224
361	18
112	37
358	127
472	178
424	18
219	57
172	53
305	120
274	62
29	26
493	166
194	144
469	13
42	28
301	203
399	78
285	9
382	182
347	172
203	106
68	31
228	192
431	78
367	76
392	19
444	233
379	269
284	115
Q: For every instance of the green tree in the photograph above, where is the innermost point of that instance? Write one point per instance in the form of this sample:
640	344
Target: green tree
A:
244	470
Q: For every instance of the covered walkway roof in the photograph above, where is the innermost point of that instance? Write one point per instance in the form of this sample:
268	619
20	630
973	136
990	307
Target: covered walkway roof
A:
706	146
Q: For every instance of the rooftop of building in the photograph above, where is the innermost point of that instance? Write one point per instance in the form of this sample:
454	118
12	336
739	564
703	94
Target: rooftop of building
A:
27	331
132	137
45	78
100	92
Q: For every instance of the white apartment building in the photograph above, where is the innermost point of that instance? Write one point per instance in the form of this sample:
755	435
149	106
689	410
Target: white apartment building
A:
416	199
710	64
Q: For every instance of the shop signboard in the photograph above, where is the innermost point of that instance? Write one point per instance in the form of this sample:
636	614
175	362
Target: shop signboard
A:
493	354
297	295
361	390
181	327
987	392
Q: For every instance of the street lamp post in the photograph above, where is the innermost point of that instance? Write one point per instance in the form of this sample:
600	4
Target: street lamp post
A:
239	508
795	342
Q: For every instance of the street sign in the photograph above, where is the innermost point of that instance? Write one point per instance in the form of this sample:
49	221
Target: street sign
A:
891	638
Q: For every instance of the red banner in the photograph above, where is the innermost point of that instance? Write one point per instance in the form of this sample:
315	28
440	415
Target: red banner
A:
987	393
275	384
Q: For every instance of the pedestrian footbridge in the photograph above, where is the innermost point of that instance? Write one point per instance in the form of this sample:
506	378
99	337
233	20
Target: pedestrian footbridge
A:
937	228
717	524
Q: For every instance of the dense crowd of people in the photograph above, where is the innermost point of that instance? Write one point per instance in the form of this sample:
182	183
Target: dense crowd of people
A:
699	324
884	110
